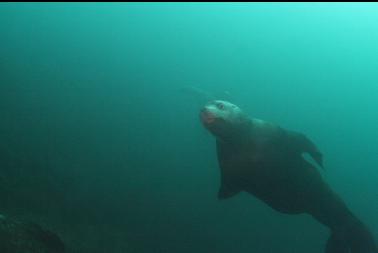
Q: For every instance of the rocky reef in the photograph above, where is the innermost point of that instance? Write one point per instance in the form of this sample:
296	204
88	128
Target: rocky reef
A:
17	236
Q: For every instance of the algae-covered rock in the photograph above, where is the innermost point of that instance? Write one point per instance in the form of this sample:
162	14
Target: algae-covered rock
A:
18	236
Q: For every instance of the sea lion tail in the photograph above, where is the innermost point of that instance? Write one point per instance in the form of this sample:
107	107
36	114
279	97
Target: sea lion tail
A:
354	238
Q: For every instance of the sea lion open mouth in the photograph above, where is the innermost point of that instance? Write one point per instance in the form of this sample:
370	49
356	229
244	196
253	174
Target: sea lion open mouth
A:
207	118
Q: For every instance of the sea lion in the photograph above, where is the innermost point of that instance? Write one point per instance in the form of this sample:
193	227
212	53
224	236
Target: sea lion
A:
266	161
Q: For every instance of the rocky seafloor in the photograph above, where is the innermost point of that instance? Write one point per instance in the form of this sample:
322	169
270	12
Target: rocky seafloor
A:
18	236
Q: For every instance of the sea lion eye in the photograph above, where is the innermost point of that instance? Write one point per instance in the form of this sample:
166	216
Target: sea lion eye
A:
220	106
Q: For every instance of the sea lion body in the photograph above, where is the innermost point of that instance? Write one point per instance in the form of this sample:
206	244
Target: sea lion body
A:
266	161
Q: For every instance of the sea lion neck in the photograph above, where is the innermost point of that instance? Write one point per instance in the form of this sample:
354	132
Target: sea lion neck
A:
237	134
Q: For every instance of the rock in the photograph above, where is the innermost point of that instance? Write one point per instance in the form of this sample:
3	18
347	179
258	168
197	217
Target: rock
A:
18	236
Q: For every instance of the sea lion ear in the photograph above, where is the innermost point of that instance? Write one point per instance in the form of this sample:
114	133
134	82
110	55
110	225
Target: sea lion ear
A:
226	192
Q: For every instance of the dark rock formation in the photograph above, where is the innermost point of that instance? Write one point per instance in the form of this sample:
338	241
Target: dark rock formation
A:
18	236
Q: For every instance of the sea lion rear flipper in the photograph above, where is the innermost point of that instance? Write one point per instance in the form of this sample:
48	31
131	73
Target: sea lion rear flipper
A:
303	144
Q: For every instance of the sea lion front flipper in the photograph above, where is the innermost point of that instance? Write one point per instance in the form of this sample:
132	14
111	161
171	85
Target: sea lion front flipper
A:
303	144
227	189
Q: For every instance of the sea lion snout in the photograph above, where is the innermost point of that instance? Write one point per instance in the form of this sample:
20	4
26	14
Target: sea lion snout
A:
206	117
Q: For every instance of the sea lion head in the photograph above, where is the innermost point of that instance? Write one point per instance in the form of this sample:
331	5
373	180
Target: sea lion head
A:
223	119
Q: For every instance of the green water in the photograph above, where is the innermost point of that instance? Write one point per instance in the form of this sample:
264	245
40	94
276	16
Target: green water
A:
99	144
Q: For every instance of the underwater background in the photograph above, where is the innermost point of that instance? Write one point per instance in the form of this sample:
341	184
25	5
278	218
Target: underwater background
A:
100	140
